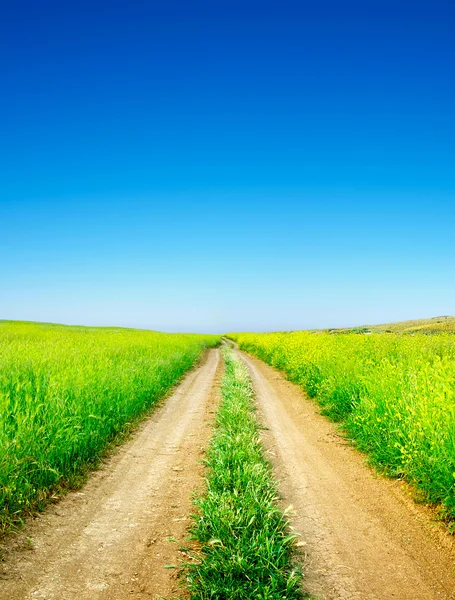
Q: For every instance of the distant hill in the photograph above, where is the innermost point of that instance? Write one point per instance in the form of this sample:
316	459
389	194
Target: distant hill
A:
430	326
433	325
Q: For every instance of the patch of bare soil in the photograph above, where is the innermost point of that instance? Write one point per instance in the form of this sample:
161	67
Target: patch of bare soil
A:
119	536
364	536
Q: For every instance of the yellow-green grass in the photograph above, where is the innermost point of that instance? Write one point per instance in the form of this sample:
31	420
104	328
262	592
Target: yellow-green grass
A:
67	392
394	394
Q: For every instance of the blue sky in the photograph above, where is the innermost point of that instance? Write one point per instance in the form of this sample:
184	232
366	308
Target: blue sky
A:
227	166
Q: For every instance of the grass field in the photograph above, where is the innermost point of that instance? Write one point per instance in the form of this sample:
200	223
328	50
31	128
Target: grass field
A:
67	392
395	395
246	549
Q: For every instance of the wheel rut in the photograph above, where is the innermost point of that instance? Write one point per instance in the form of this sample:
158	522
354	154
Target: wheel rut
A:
116	537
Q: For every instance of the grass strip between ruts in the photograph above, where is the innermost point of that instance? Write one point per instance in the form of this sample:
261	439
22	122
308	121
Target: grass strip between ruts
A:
246	547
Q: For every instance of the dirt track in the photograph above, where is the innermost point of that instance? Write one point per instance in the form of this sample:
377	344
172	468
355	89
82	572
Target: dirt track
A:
110	540
365	538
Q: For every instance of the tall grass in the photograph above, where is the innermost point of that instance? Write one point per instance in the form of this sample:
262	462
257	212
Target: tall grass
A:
394	394
66	392
246	549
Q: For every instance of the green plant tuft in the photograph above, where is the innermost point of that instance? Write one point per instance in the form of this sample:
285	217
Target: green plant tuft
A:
246	548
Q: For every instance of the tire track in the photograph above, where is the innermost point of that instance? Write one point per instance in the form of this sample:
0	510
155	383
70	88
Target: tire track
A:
110	540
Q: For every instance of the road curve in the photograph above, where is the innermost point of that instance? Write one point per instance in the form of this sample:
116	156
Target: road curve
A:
110	540
364	536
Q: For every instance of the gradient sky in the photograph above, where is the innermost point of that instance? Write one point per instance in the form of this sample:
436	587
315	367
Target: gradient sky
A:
226	166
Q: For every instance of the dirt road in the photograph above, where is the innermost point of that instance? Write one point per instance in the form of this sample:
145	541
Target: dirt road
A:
365	538
110	540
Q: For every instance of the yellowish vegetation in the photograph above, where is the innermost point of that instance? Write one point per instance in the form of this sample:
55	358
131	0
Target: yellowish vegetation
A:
395	395
67	392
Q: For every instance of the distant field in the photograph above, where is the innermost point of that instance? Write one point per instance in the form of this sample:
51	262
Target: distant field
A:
395	395
66	392
434	325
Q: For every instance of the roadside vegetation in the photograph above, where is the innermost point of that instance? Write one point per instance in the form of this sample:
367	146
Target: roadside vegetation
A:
394	394
245	546
67	392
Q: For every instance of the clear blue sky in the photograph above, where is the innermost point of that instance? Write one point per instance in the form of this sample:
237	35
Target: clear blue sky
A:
219	166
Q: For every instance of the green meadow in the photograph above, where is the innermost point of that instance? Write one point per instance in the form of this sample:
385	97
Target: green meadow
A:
66	393
393	393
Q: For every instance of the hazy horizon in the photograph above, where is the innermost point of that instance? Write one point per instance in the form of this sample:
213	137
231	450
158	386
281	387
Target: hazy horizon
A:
228	167
218	332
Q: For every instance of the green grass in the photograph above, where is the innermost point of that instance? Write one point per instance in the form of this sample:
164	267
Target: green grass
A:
67	392
394	394
246	548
